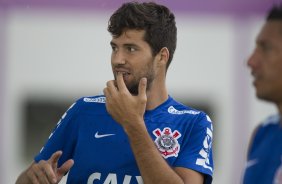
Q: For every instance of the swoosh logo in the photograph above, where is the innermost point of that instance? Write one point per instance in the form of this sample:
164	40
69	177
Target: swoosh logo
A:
98	136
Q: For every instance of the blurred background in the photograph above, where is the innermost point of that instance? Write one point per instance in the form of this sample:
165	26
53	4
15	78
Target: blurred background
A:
52	52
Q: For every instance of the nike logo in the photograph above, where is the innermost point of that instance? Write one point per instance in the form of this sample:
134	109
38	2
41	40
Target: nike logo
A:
98	136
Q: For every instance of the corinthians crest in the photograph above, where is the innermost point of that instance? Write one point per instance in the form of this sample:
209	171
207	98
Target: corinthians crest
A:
166	142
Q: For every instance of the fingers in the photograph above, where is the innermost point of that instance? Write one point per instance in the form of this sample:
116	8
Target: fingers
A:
31	174
142	88
110	88
65	168
47	171
43	175
51	167
51	175
120	82
53	160
39	173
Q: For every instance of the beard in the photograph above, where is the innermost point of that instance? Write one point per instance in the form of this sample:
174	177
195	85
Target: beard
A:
133	84
133	87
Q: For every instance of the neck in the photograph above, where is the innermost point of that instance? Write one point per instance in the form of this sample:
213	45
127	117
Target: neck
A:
156	95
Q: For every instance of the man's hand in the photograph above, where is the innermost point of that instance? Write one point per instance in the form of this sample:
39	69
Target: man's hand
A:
125	108
47	172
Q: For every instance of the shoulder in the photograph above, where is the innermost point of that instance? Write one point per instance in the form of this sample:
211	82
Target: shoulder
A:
178	108
91	100
84	100
267	125
191	114
263	129
89	104
272	120
99	99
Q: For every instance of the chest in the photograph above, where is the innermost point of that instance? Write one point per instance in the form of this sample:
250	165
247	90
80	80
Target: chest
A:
102	140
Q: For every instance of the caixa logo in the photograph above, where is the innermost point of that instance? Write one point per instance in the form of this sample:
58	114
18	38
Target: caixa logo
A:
112	178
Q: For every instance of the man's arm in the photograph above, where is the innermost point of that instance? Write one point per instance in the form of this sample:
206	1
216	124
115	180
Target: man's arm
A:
153	168
129	110
45	172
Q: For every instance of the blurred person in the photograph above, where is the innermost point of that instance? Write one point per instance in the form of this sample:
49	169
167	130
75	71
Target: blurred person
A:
136	132
264	160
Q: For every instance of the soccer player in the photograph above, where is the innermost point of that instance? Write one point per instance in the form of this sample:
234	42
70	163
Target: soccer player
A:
136	132
265	150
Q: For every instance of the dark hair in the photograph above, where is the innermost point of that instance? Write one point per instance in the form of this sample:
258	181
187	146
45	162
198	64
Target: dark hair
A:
275	13
157	21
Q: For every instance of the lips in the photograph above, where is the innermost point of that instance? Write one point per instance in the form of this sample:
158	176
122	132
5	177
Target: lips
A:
121	69
256	76
125	73
258	80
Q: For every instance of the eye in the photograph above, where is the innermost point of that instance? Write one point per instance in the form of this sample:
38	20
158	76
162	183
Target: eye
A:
265	47
114	48
131	49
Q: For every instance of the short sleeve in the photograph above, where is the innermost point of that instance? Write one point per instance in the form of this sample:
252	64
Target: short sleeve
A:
196	151
63	137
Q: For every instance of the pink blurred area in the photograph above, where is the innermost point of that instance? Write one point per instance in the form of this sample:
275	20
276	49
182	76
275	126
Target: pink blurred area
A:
204	6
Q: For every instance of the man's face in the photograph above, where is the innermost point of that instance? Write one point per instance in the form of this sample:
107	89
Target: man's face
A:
266	62
132	56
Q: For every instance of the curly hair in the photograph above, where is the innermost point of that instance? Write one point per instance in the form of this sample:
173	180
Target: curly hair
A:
157	21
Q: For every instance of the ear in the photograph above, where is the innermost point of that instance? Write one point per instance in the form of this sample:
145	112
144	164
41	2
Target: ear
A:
163	56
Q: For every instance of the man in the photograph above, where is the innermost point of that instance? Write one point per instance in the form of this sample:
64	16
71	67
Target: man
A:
136	132
265	151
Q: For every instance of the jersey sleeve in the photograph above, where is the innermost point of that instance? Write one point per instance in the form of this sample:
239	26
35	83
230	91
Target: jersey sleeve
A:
63	137
196	151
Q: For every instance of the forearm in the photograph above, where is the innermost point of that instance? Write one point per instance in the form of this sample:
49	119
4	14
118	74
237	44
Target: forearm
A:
154	169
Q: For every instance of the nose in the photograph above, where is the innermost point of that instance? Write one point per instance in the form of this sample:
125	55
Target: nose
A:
250	61
253	60
118	58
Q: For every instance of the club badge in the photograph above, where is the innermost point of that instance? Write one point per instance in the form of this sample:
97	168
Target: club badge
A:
166	142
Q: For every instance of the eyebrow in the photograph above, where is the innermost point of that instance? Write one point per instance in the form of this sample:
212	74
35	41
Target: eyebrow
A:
125	45
131	45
